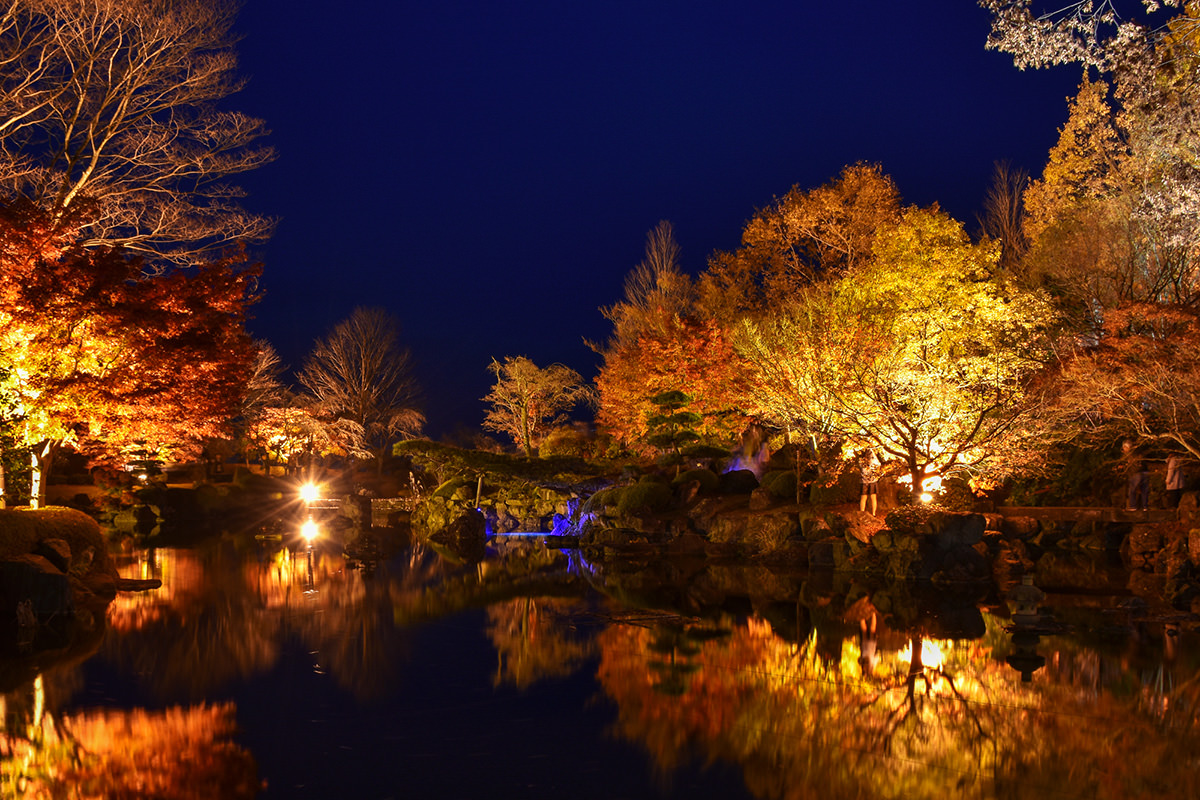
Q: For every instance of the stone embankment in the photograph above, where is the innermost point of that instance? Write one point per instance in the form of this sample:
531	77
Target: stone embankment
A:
56	578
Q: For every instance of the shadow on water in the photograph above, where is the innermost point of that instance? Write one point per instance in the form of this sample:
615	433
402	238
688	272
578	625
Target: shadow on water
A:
678	677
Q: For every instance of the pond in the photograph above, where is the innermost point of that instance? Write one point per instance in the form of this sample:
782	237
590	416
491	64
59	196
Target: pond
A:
539	674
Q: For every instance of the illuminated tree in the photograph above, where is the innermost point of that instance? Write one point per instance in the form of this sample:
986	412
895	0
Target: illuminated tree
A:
662	342
115	102
264	390
282	433
1114	217
360	373
681	353
97	353
1142	379
803	236
527	400
923	352
1091	32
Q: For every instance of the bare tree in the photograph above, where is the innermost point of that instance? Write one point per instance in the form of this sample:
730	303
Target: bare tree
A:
655	288
1003	218
361	374
528	400
115	103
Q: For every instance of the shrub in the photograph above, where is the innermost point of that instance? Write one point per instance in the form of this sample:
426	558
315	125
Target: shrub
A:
448	488
906	519
600	501
644	497
566	442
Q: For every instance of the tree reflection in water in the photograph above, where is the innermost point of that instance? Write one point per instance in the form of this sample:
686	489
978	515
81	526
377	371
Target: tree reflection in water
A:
184	753
802	726
808	692
532	640
221	616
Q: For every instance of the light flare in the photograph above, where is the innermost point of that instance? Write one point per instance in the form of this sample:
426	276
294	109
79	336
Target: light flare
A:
310	530
930	485
931	654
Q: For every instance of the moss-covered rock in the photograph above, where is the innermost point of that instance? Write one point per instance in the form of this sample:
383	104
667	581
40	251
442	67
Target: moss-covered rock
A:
73	539
645	496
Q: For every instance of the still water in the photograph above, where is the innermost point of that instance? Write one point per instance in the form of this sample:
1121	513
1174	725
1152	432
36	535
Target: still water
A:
537	674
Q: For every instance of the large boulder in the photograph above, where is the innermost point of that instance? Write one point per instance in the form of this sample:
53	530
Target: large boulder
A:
62	536
770	532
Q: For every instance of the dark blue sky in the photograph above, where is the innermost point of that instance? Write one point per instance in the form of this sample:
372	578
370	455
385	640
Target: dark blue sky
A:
488	170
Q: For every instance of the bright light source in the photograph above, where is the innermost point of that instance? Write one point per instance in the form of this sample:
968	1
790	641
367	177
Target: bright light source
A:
308	492
931	654
309	530
926	497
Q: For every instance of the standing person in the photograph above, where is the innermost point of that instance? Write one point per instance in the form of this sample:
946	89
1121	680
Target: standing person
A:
1138	498
1176	480
868	465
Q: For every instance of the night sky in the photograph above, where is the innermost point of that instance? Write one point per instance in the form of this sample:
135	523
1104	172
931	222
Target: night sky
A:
487	171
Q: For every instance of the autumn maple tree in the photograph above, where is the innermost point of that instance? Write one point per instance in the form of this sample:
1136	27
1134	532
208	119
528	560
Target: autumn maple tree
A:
801	237
99	354
662	342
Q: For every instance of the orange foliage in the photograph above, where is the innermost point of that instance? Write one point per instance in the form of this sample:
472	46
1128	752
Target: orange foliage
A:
95	350
178	753
690	355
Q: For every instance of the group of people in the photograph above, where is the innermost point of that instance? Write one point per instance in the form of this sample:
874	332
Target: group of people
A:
1138	489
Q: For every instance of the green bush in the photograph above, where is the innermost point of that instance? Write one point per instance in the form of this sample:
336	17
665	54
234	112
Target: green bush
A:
709	482
644	497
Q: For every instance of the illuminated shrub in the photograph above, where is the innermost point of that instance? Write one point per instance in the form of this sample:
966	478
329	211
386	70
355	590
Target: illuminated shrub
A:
566	441
598	502
448	488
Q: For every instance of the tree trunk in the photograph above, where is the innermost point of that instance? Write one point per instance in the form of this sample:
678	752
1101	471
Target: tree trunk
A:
41	459
918	477
525	437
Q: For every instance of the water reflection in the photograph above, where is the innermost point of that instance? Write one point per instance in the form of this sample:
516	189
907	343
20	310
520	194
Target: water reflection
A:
224	614
809	685
184	753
